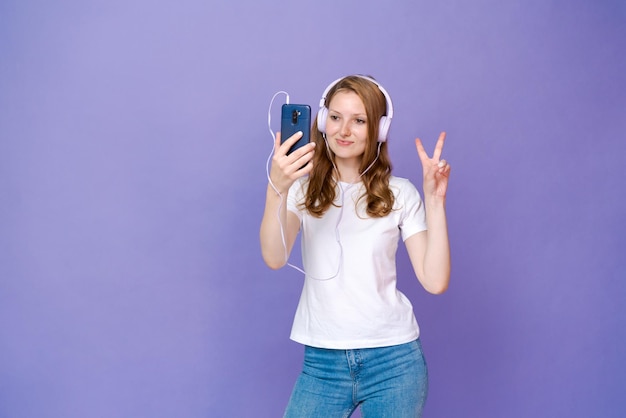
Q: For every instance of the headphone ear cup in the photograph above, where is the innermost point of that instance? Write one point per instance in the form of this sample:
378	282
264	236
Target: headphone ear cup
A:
383	128
322	115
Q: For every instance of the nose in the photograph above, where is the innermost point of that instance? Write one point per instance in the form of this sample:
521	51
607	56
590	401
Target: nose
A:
345	129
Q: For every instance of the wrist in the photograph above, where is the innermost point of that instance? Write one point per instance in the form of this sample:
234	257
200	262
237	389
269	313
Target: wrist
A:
275	190
435	202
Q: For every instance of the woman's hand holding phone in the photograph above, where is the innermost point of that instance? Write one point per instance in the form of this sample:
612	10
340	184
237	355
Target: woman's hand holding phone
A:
287	168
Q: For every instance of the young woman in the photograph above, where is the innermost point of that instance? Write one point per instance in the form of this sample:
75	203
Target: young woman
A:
361	337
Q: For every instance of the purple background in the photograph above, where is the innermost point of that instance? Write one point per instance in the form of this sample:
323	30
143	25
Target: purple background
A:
133	141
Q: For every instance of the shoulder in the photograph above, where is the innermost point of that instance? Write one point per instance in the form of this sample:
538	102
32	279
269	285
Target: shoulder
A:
299	186
401	185
404	191
398	181
297	192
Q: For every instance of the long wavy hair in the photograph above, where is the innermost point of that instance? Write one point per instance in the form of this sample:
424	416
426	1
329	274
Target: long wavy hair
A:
322	183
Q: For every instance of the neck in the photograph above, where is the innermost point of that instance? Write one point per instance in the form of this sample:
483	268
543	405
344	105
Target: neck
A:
347	171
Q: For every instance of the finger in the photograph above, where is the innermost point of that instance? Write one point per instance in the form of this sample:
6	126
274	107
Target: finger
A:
420	150
283	147
306	150
439	146
308	167
277	141
303	154
443	168
293	138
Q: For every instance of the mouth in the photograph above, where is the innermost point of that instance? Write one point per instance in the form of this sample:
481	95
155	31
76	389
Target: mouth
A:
343	143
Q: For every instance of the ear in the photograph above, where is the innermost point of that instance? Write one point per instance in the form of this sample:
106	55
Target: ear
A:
383	128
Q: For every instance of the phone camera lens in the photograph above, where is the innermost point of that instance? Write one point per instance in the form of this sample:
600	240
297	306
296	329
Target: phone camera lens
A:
294	117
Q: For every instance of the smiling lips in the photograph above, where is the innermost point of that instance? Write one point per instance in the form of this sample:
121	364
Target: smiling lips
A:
343	143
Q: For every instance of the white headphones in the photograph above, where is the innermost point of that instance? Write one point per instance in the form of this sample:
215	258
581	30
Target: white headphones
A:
385	120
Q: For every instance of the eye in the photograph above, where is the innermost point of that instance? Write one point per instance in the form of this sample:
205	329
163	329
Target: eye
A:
361	121
334	117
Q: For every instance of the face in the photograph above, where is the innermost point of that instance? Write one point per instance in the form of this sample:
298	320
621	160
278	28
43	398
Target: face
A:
346	127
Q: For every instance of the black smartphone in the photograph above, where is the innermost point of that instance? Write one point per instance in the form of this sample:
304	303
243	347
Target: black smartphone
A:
294	118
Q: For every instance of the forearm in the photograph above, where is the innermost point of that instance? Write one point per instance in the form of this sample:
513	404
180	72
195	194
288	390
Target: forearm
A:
275	251
437	255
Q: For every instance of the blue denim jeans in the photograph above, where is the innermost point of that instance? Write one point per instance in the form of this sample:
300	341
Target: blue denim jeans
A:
383	382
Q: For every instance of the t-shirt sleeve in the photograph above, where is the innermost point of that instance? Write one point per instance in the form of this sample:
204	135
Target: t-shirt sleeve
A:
413	219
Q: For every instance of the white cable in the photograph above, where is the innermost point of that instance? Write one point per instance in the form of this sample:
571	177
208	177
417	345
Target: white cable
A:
269	126
267	168
282	200
343	194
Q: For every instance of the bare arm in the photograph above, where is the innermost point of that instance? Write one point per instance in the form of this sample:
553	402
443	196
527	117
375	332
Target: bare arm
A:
429	250
285	170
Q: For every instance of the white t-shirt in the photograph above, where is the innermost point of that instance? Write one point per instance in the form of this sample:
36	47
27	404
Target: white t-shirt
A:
349	298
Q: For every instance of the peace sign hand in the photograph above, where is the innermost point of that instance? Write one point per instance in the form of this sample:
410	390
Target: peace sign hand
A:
436	170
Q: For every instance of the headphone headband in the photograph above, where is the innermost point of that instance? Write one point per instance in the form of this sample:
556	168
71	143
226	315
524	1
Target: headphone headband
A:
385	120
